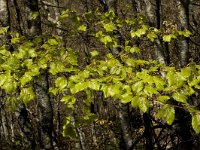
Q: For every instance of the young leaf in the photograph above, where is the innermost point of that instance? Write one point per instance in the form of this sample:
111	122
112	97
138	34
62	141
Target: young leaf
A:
35	15
26	78
61	83
4	30
94	84
159	82
135	101
3	78
94	53
82	28
68	100
56	67
180	97
152	36
185	72
79	87
109	27
167	38
52	42
27	94
106	39
54	91
163	98
143	104
138	86
126	98
196	122
134	49
167	113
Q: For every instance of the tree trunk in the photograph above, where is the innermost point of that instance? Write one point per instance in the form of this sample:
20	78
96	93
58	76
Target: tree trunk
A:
183	7
153	14
41	84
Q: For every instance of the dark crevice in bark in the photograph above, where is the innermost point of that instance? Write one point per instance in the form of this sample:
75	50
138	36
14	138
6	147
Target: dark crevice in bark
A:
148	131
18	15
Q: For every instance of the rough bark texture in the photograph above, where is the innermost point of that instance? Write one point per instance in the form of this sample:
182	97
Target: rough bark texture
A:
183	7
41	84
152	11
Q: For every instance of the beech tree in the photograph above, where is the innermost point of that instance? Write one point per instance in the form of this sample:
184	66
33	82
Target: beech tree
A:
102	74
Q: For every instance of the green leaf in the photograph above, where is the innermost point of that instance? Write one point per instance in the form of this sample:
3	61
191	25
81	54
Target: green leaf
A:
180	97
82	28
5	52
126	98
185	72
139	32
150	90
159	82
56	67
106	39
138	87
94	84
167	113
54	91
27	77
167	38
94	53
130	62
152	36
196	122
171	78
61	83
68	99
143	104
52	42
109	27
34	71
9	84
35	15
78	87
135	101
42	63
163	98
135	49
185	33
4	30
27	94
3	78
32	53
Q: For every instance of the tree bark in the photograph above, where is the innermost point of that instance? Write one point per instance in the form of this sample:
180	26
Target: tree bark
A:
183	7
41	84
153	14
4	20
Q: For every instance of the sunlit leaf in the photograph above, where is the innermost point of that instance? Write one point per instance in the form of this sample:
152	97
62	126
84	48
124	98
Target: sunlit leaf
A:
35	14
134	49
143	104
79	87
82	28
94	84
109	27
61	83
138	87
167	113
135	101
27	94
94	53
52	42
180	97
167	38
196	122
163	98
